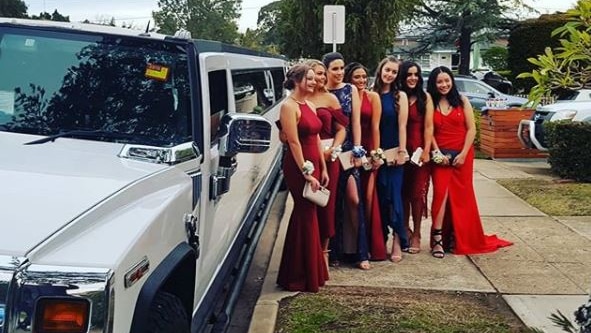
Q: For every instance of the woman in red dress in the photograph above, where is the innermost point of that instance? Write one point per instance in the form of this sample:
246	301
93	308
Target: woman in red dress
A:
416	176
332	135
454	206
302	265
371	109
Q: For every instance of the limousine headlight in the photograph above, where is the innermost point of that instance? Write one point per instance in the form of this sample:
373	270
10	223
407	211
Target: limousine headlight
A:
48	299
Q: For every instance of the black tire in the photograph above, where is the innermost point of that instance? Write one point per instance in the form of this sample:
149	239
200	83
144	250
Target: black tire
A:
167	315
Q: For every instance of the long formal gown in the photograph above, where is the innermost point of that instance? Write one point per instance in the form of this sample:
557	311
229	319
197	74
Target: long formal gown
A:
416	179
327	214
390	177
462	219
302	265
377	247
344	95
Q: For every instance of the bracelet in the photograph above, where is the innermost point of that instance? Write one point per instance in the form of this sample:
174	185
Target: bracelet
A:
307	168
358	151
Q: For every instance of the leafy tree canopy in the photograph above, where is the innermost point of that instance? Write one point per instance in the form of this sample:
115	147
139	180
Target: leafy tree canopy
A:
13	8
496	57
370	27
55	16
463	22
569	65
205	19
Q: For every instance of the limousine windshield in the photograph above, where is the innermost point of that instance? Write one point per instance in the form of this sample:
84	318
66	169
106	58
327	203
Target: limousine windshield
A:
128	89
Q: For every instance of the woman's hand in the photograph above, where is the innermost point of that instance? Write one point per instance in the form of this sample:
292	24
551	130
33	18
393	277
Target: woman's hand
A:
325	178
327	155
401	157
425	158
460	159
376	164
314	183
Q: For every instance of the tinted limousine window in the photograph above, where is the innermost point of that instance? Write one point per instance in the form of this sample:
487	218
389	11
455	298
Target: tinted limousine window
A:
54	82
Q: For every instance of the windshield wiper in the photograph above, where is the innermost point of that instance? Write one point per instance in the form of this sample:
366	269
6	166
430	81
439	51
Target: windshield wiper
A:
83	134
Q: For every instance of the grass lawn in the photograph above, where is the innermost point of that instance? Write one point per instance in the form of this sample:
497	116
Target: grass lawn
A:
551	197
389	310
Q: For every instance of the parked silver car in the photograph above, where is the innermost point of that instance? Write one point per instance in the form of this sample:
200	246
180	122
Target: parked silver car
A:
479	92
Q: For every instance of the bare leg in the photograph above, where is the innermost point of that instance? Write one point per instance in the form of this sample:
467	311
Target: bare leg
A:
417	216
396	254
352	198
351	220
325	251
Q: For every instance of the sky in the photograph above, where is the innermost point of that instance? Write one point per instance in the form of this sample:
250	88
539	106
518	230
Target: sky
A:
138	12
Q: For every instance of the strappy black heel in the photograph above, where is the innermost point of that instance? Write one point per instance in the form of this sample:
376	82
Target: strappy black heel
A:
439	254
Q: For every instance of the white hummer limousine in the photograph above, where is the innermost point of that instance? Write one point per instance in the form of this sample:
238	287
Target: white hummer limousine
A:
131	197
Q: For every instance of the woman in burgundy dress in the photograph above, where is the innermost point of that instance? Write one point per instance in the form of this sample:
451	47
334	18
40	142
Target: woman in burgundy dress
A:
454	208
302	265
371	109
332	135
416	176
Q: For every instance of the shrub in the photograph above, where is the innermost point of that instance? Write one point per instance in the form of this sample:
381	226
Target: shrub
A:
528	40
477	115
569	145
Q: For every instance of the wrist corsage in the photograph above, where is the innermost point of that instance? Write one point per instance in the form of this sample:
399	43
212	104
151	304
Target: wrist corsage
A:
307	168
335	153
378	155
437	157
358	151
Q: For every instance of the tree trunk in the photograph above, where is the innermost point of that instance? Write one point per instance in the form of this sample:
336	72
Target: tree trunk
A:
465	45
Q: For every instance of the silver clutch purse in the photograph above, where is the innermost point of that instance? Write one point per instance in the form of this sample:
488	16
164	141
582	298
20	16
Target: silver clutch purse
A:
319	197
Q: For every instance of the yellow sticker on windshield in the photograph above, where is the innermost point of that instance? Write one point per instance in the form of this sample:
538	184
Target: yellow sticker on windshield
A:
157	72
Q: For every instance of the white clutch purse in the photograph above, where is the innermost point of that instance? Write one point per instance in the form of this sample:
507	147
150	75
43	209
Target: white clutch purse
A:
416	157
391	156
319	197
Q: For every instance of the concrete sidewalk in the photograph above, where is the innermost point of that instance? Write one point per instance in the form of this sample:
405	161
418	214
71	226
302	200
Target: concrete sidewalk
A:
547	268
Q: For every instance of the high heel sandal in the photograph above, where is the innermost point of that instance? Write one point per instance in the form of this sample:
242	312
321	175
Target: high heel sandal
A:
439	254
396	258
415	247
364	265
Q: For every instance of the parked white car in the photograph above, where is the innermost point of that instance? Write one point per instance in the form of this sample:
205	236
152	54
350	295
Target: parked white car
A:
531	131
130	198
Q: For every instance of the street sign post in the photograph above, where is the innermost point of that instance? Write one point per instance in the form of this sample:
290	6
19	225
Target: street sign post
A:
334	25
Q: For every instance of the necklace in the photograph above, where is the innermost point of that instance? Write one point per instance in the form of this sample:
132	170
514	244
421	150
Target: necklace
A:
296	100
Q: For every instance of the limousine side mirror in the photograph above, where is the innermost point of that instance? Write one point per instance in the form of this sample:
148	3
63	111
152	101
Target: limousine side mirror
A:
244	133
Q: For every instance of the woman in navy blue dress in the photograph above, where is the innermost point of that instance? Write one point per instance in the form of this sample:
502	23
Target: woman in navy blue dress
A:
351	236
392	134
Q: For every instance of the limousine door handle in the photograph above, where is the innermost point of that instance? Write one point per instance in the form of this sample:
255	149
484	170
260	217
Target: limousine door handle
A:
220	182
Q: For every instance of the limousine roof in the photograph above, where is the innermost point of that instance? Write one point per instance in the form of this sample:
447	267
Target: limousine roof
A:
202	45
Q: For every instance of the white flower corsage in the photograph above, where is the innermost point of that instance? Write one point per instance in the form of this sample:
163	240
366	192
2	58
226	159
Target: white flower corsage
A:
437	157
378	155
335	153
308	168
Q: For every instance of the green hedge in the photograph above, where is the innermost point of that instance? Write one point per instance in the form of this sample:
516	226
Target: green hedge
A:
569	145
528	40
477	115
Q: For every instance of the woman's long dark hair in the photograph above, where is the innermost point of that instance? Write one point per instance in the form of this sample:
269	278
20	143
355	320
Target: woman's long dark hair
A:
453	97
350	68
417	90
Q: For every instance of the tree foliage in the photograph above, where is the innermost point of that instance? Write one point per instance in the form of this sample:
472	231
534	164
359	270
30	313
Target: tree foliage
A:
463	23
569	65
496	58
370	27
13	8
527	40
205	19
55	16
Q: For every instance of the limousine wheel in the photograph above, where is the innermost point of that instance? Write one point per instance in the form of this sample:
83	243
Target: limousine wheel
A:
167	315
